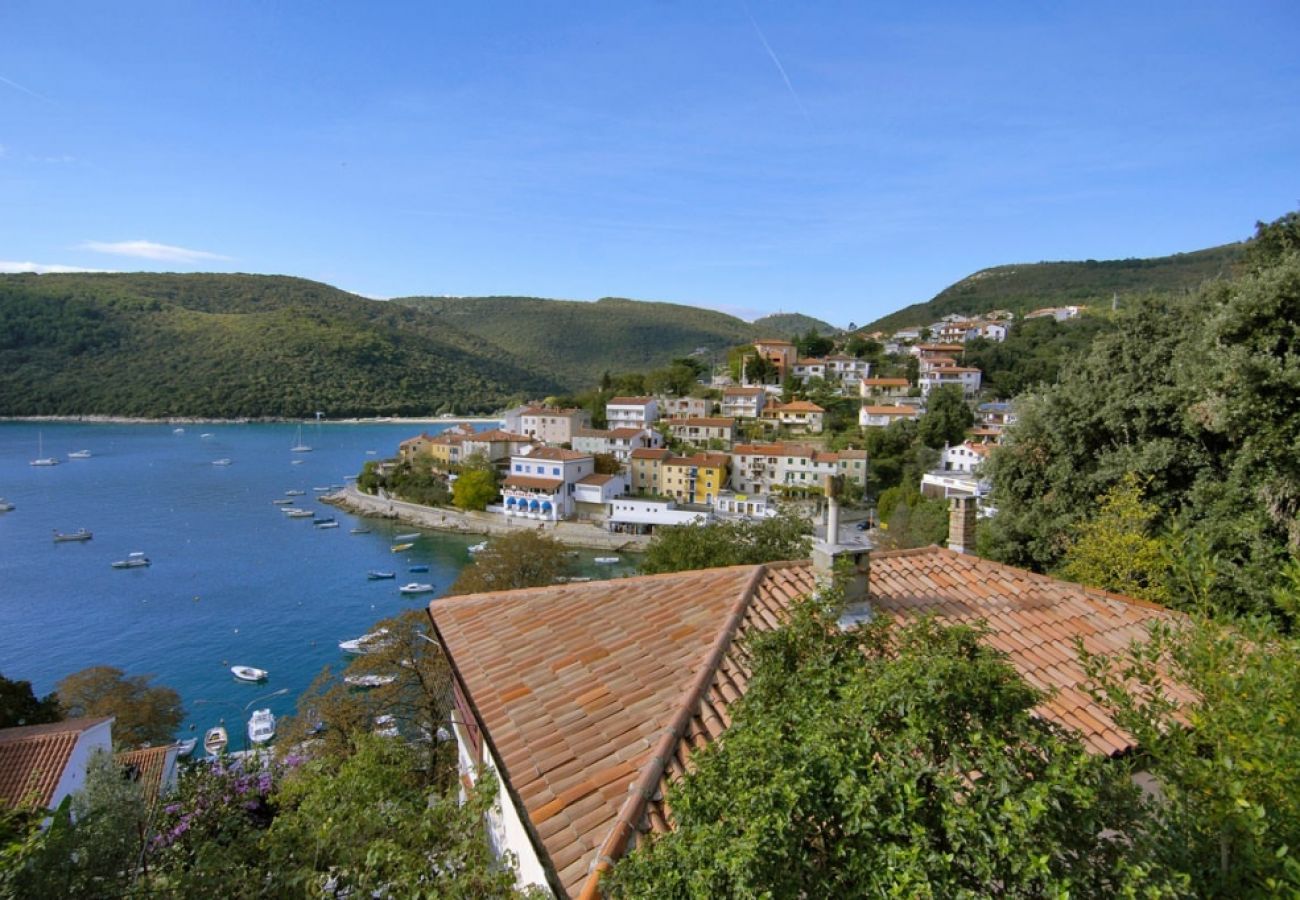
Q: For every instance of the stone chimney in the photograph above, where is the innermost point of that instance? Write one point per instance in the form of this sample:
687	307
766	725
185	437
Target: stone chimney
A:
961	524
843	566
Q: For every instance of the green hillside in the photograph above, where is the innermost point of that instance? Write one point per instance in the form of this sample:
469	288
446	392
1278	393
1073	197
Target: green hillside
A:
1025	287
789	325
233	346
575	342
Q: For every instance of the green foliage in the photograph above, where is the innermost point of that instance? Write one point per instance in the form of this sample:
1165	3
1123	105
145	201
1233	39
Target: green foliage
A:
790	325
606	464
517	560
1116	550
1023	288
1228	766
236	345
946	418
144	714
911	520
813	345
703	546
474	489
1273	241
19	706
415	482
897	457
617	335
881	762
746	366
1033	354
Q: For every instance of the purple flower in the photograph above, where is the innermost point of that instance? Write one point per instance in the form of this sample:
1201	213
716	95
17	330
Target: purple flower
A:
264	782
172	809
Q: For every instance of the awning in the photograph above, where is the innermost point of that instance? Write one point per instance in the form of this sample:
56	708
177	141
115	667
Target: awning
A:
546	506
532	504
510	501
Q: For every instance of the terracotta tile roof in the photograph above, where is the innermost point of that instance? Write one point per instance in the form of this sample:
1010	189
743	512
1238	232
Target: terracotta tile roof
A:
886	382
594	696
852	453
713	460
628	432
597	479
557	453
497	434
659	453
533	483
628	401
775	342
811	361
796	406
33	757
742	391
758	450
703	422
940	348
151	765
890	410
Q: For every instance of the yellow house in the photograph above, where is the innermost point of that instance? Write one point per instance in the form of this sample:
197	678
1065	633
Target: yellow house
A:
646	465
695	479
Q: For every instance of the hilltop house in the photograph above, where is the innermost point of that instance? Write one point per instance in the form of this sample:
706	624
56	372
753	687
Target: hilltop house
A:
879	388
798	415
587	701
965	378
699	430
883	416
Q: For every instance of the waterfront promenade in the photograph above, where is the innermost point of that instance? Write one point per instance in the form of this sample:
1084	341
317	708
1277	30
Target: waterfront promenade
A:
576	534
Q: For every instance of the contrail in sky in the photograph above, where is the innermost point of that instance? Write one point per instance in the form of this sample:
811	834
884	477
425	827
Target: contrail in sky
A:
18	87
772	53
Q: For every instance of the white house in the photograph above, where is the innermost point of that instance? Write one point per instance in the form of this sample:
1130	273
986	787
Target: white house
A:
686	407
763	468
872	388
882	416
799	415
743	402
553	426
809	368
618	442
542	484
631	412
963	377
965	458
593	495
993	331
636	515
846	369
45	763
700	430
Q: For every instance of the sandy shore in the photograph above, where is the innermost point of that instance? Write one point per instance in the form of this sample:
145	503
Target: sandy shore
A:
575	534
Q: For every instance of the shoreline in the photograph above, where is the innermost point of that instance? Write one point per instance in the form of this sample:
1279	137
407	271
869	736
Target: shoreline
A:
266	420
573	534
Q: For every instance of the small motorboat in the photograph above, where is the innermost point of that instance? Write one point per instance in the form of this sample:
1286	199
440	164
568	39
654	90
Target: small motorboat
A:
360	531
369	681
248	673
80	454
283	502
298	462
376	575
367	643
321	520
294	493
295	513
371	452
386	726
330	524
205	435
80	534
224	461
416	587
607	560
320	490
136	560
185	748
6	506
261	727
420	568
401	548
477	548
215	740
178	431
413	536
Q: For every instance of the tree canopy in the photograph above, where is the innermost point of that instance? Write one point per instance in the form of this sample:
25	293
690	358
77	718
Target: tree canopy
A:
517	560
744	542
145	713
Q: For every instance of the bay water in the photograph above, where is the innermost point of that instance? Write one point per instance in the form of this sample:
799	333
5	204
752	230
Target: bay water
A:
233	581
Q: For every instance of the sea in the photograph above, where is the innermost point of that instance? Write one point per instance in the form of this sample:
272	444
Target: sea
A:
232	580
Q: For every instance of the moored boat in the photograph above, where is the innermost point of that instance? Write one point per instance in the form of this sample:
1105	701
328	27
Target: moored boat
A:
369	681
330	524
607	560
185	748
41	459
477	548
419	568
215	740
294	512
386	726
249	673
360	531
367	643
413	536
261	727
294	493
224	461
298	445
136	560
416	587
401	548
283	502
79	454
376	575
6	506
80	534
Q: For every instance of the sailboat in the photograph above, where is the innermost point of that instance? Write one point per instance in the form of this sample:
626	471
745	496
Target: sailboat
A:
41	458
298	445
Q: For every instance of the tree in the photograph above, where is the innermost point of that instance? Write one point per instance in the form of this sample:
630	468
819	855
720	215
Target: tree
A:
607	464
702	546
813	344
946	418
144	714
1115	549
474	489
891	762
19	706
517	560
911	520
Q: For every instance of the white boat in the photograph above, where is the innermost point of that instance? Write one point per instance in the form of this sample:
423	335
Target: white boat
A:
41	459
205	435
224	461
261	727
6	506
607	560
360	531
297	462
80	534
330	524
386	726
369	681
185	748
294	512
367	643
283	502
215	740
416	587
248	673
377	575
477	548
298	445
320	489
79	454
401	548
178	431
134	560
371	452
294	493
413	536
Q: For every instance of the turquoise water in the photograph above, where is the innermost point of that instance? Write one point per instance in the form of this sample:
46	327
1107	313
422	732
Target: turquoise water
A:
233	581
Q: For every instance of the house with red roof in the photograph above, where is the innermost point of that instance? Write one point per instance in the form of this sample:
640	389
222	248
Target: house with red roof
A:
42	764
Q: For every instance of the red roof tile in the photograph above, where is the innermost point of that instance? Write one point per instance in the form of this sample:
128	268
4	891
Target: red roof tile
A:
533	483
33	757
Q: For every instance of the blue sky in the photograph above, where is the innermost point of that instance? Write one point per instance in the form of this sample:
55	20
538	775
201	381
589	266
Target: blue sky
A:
837	159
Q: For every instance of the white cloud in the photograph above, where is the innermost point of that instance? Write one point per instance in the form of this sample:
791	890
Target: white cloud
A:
9	267
152	250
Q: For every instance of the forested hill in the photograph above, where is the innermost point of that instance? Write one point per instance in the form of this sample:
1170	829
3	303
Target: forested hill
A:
575	342
1025	287
237	345
791	325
